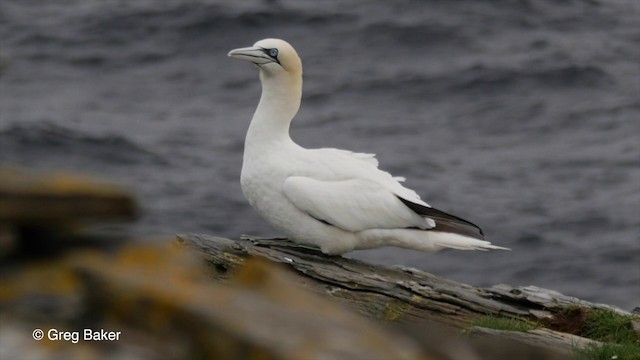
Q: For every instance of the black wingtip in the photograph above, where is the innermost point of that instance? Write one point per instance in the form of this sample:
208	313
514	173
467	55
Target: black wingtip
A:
445	221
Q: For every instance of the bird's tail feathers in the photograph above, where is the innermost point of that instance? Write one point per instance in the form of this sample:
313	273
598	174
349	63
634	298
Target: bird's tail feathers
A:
422	240
459	242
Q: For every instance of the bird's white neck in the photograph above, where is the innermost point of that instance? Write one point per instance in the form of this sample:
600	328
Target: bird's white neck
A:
279	103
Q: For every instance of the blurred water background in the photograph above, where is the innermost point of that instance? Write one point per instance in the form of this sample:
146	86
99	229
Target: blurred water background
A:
520	115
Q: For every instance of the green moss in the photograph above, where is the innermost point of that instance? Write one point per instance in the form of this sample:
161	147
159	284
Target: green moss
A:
504	323
615	330
624	351
597	324
608	326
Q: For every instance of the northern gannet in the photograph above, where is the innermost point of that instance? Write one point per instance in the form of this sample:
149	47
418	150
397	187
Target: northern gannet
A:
334	199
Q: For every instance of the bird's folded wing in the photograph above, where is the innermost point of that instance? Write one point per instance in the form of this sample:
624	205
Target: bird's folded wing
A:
353	205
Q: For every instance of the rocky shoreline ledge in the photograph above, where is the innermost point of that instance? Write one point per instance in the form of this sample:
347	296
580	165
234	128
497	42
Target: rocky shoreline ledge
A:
206	297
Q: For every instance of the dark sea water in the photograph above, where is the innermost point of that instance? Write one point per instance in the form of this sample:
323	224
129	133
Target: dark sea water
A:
521	115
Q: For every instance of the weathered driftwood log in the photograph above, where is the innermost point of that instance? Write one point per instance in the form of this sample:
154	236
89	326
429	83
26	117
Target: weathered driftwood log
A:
399	294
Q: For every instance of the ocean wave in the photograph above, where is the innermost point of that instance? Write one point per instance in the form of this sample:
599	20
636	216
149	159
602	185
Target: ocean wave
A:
20	142
480	77
477	78
129	36
420	34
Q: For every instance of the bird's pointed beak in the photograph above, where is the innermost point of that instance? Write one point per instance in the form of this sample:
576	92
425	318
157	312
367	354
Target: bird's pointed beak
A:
252	54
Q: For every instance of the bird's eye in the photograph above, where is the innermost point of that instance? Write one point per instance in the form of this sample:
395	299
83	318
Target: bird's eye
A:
273	53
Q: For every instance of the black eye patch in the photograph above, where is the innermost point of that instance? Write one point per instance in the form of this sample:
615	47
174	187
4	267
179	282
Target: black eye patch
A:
272	53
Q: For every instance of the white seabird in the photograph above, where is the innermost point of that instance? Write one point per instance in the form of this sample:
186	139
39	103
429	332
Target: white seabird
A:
334	199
